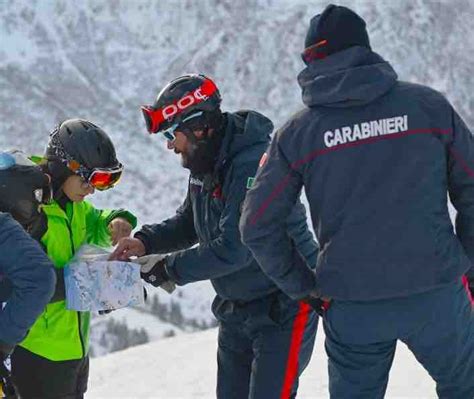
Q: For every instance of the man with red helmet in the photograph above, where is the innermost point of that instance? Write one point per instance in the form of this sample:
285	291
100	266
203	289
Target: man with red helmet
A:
265	337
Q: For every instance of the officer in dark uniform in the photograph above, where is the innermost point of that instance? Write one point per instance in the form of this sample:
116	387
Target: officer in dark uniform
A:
377	158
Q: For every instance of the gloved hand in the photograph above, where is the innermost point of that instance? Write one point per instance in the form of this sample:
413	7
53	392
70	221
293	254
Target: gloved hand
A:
153	271
320	305
470	284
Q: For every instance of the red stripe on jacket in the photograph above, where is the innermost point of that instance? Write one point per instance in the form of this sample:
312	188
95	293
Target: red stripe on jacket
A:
465	282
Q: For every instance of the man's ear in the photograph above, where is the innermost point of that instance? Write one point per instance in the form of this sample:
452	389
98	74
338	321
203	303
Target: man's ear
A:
199	134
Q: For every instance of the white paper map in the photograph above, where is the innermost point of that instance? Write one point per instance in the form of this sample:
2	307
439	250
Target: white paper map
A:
92	283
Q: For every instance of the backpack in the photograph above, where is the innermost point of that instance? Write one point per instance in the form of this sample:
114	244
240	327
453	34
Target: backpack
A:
23	188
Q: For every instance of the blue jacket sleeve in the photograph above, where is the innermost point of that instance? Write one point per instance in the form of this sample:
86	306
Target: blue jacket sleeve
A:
32	278
303	239
461	184
263	224
173	234
226	253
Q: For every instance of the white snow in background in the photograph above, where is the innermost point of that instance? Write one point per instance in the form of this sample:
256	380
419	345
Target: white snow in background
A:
185	367
137	319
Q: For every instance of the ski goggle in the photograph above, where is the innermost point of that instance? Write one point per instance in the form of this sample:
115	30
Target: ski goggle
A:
314	52
104	179
100	178
169	133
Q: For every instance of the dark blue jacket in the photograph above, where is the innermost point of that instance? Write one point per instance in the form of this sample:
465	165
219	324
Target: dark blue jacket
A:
27	280
210	217
377	158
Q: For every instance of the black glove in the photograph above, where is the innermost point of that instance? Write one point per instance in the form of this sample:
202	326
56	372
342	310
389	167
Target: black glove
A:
153	269
470	284
318	304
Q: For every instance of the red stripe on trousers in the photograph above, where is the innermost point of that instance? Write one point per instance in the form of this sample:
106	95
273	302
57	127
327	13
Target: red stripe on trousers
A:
292	363
466	285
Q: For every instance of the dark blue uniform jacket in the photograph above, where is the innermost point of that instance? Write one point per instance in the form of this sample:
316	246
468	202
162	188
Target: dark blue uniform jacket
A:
377	158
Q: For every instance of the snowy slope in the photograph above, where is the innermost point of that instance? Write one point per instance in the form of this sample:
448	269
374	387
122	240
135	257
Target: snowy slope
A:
184	367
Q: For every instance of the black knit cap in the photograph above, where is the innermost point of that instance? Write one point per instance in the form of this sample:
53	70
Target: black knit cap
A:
336	29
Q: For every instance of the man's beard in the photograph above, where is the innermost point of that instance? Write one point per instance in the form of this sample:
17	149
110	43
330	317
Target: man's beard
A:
201	157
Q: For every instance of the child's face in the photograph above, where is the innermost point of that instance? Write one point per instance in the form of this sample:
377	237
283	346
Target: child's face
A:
76	188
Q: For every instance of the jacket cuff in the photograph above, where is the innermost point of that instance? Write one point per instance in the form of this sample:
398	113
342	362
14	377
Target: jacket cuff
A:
122	213
170	267
304	293
144	239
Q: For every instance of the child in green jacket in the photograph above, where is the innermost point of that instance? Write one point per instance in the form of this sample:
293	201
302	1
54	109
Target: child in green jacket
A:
52	361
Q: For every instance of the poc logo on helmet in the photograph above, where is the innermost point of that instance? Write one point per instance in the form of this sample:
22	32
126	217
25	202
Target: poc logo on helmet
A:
187	101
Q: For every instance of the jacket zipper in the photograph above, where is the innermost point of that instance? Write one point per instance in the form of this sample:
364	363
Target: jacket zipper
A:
78	313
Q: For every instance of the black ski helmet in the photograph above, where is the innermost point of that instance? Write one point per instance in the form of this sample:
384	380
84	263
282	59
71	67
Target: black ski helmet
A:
83	142
79	147
182	97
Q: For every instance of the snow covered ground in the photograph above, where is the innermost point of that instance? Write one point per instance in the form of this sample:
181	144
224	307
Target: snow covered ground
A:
185	367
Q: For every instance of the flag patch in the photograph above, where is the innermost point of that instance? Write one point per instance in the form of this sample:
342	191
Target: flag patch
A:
250	182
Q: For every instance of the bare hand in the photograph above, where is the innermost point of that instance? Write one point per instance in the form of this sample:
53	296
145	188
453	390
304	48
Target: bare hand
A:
119	228
128	247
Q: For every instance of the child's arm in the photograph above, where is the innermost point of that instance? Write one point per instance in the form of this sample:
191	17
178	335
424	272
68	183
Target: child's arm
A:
98	223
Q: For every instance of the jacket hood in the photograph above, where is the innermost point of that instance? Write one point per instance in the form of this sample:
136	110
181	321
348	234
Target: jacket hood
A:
244	129
352	77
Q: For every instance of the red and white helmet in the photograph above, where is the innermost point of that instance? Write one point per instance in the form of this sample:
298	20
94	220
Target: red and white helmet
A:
180	99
